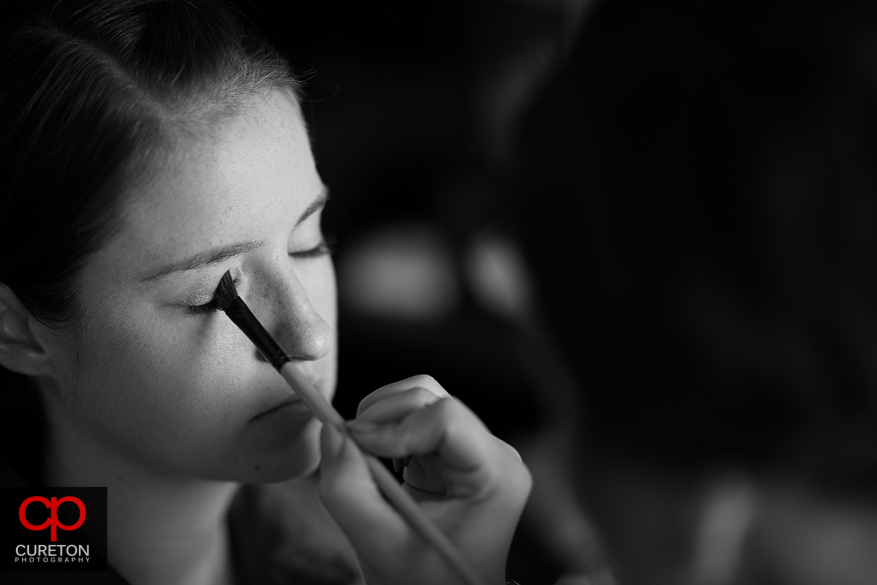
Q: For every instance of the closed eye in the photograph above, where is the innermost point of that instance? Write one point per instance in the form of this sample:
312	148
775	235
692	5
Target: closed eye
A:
209	307
327	246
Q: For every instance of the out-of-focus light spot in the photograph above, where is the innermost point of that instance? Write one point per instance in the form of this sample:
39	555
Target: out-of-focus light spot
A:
499	278
726	519
402	271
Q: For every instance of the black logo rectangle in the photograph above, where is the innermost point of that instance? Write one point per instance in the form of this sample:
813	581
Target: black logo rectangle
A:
53	529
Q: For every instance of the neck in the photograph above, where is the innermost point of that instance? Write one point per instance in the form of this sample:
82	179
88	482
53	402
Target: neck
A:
162	529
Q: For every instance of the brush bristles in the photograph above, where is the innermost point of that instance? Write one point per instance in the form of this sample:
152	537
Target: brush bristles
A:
225	292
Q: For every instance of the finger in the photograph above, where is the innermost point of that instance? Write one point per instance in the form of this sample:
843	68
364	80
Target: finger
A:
352	498
422	381
425	473
445	427
397	406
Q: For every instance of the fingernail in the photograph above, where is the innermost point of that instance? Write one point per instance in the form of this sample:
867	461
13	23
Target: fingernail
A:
361	426
334	441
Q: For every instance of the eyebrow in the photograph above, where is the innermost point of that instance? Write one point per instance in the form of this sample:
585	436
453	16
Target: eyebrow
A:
223	253
315	206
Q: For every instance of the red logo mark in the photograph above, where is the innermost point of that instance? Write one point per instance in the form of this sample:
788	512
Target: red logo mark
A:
52	506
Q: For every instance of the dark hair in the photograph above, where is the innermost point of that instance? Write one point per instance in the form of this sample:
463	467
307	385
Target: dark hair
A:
91	92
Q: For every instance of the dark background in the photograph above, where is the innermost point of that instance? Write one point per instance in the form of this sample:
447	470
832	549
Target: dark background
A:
691	186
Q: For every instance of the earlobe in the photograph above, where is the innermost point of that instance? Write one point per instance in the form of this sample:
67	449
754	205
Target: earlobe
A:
21	349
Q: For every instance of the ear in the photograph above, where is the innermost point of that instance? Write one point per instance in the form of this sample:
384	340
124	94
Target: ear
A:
22	349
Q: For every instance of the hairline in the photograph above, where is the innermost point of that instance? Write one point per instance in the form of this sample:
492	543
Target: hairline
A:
175	130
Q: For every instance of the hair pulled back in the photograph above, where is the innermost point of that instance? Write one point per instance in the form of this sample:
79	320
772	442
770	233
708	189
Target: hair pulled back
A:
90	94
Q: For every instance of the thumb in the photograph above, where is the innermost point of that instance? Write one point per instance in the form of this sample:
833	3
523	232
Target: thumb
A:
352	498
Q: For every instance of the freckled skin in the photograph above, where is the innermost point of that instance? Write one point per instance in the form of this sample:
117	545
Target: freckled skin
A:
156	388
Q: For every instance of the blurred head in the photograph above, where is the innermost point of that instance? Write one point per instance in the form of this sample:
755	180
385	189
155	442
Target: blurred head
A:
146	148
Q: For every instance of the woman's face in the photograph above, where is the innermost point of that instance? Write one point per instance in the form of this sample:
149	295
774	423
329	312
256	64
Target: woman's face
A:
163	383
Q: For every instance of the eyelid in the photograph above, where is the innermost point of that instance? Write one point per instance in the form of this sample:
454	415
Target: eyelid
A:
204	309
326	246
202	295
206	303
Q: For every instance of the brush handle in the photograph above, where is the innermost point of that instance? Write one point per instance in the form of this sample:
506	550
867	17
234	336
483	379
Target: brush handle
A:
399	498
238	311
315	400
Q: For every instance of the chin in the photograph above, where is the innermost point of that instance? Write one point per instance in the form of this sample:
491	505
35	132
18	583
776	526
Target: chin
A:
296	459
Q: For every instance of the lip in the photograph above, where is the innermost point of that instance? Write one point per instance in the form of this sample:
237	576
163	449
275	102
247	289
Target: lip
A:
296	401
290	404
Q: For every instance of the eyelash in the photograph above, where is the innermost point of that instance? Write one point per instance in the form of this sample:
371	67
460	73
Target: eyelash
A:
327	246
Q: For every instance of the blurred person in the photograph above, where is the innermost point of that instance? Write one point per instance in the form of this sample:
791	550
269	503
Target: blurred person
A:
147	148
707	173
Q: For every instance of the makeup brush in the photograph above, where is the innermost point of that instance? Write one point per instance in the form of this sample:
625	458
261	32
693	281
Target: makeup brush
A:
227	299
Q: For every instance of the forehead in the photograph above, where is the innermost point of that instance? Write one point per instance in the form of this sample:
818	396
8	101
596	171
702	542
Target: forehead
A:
244	178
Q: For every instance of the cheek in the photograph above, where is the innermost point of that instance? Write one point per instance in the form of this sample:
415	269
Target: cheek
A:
137	369
162	380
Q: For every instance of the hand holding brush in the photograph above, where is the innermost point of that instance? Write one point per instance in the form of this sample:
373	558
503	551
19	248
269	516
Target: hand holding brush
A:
467	481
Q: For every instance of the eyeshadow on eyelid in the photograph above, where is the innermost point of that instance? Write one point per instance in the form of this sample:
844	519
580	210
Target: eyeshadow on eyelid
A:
203	293
200	299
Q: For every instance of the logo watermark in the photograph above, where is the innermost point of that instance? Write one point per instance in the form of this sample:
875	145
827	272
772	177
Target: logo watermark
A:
53	519
53	529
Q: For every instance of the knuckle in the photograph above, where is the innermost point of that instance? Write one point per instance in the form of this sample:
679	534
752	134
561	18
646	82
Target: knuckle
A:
523	482
445	411
424	381
522	478
511	451
517	478
424	396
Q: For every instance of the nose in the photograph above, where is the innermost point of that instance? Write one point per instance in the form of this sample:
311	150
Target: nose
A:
293	321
